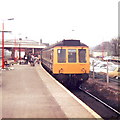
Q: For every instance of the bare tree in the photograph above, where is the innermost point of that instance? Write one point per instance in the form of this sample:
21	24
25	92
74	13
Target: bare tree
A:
112	47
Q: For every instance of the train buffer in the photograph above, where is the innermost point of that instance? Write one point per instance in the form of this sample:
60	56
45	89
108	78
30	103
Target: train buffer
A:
30	92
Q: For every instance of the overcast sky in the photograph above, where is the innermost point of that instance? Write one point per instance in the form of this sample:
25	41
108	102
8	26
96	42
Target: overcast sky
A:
91	21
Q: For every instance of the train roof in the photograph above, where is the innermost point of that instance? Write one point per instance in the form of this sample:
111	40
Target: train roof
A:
69	42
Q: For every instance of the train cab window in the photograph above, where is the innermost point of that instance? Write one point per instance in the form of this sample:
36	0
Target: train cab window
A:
71	55
61	55
82	55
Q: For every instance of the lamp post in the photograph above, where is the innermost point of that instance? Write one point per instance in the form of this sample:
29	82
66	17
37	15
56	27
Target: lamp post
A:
3	42
3	45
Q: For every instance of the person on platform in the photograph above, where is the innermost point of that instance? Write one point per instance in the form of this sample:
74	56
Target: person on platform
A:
32	61
29	57
26	59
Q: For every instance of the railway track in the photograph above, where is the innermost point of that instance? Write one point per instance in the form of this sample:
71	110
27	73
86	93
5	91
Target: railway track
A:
115	80
99	106
104	77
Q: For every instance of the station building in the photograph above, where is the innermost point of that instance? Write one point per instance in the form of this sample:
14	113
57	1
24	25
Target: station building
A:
19	47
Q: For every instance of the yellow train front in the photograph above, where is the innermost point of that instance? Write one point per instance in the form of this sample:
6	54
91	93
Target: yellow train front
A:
68	61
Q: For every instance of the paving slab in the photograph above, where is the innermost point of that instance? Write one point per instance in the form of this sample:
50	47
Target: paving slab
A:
30	92
24	95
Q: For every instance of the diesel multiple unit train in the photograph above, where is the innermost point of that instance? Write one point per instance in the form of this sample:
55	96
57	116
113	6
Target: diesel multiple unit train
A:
68	61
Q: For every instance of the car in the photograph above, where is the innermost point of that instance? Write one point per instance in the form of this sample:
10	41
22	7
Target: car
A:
113	71
108	58
101	66
94	62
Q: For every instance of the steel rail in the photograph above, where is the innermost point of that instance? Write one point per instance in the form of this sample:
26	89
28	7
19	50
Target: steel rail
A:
114	80
100	101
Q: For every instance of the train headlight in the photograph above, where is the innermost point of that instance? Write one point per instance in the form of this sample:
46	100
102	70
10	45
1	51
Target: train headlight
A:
83	70
61	70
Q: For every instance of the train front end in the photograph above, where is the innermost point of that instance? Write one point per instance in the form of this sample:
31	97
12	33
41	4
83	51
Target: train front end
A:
71	63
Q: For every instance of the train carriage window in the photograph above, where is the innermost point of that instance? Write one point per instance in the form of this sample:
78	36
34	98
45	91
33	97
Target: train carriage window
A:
82	55
71	55
61	55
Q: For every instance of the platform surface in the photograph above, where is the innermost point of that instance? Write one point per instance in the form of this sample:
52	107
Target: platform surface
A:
29	92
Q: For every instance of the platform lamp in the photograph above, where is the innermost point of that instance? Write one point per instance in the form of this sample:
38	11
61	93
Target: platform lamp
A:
3	64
